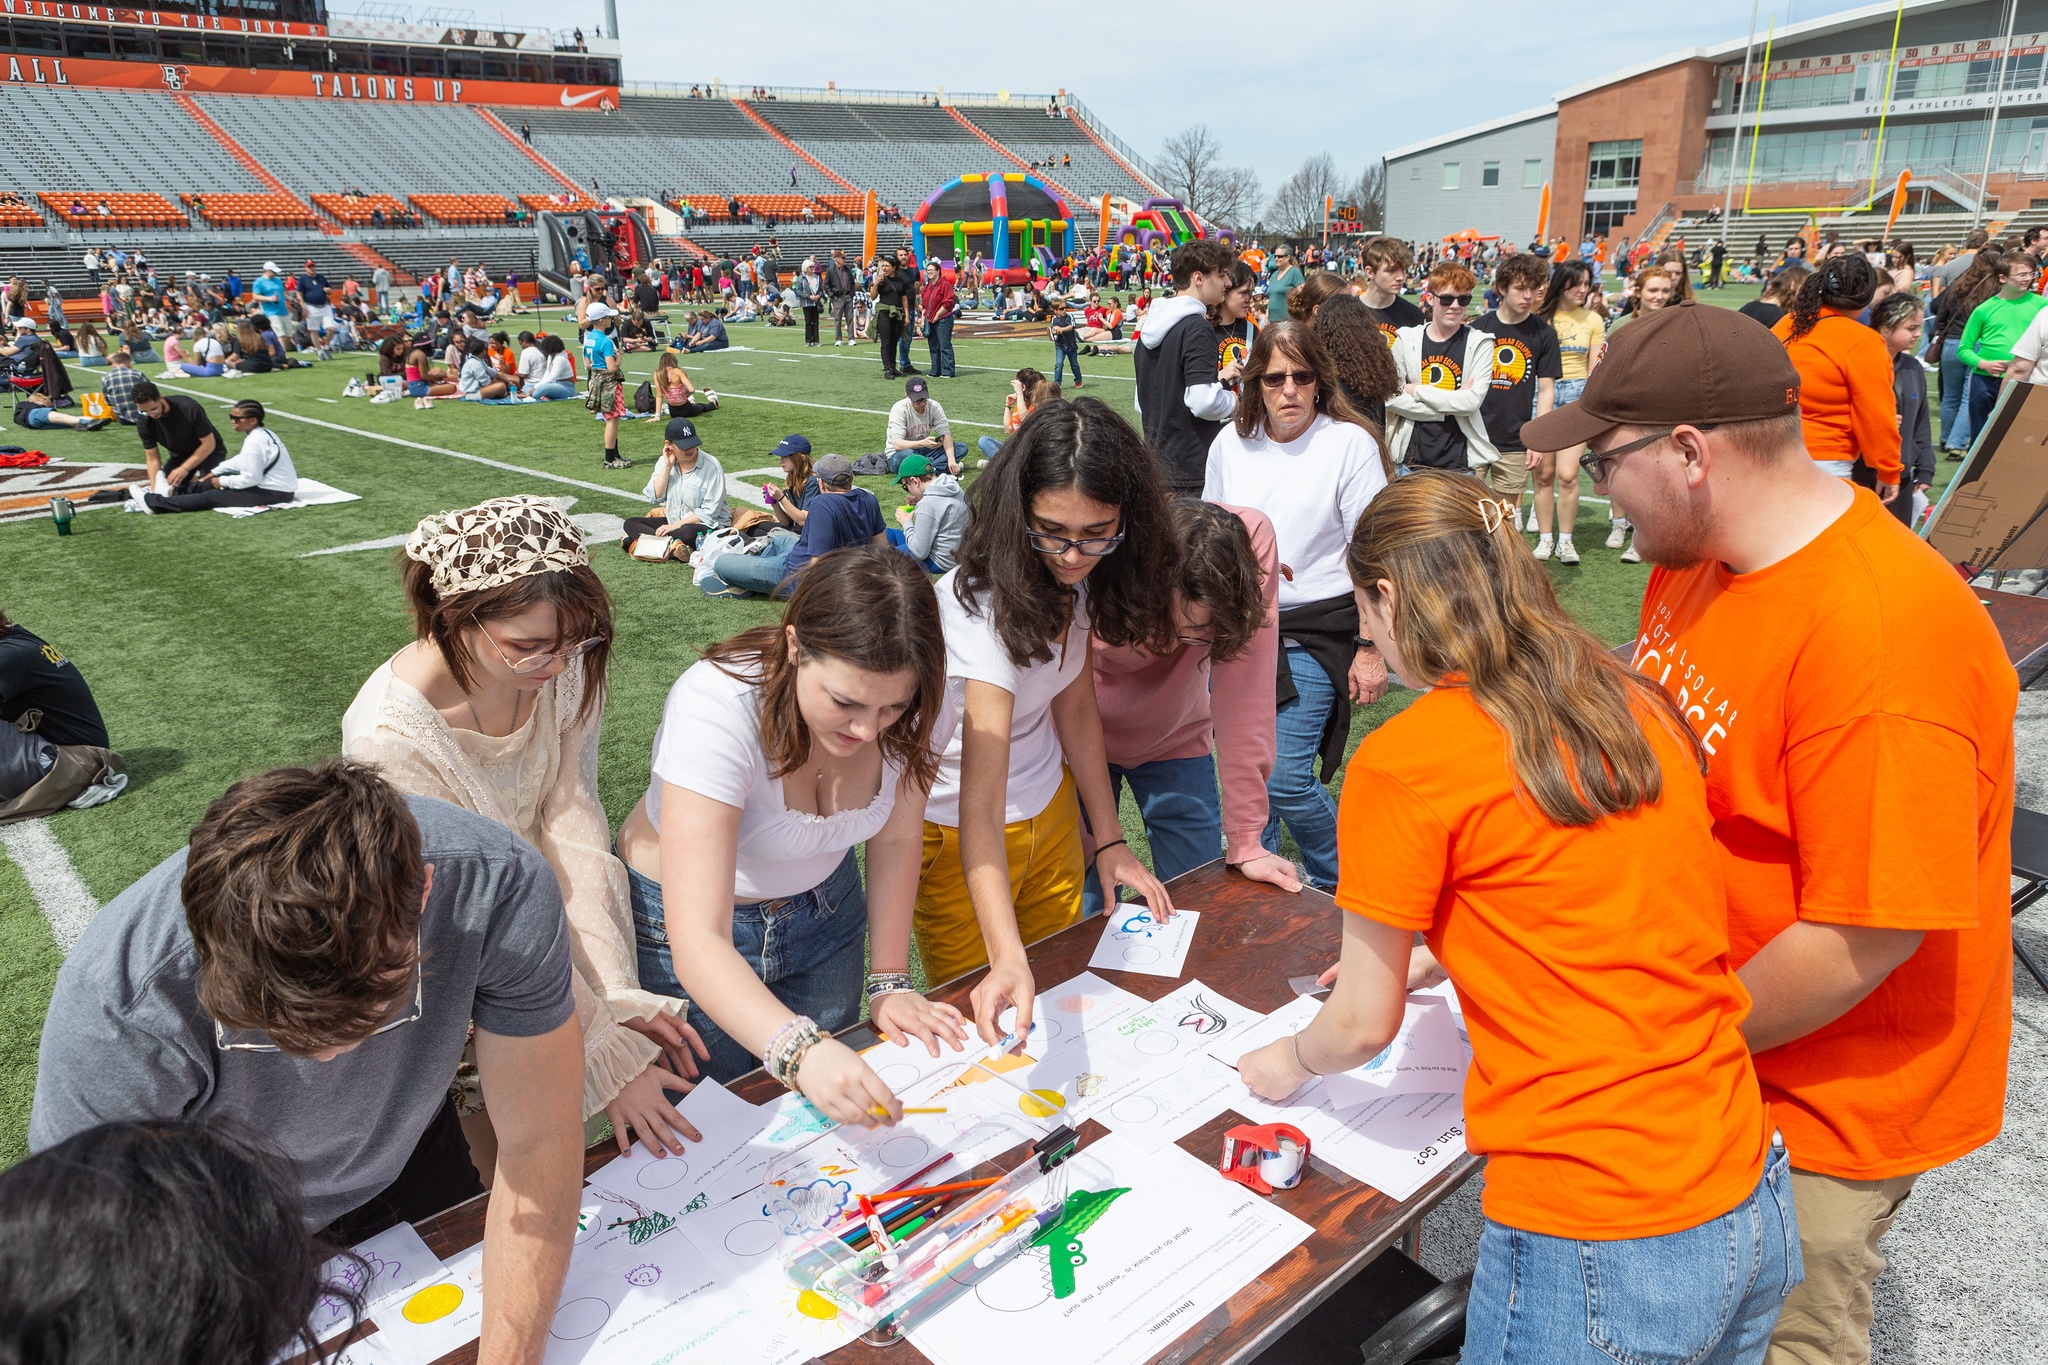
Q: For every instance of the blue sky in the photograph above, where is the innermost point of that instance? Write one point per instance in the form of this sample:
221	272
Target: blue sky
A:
1274	93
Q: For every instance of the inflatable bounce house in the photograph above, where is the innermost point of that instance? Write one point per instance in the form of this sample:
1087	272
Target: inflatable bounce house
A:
1163	224
1009	220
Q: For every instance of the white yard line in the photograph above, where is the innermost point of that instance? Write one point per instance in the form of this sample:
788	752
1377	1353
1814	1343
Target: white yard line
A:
52	879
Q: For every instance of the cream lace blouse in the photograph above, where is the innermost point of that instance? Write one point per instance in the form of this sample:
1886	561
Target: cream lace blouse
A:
541	783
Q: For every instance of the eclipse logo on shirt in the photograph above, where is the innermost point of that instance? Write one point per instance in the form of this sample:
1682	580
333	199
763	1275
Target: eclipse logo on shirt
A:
1510	362
1441	372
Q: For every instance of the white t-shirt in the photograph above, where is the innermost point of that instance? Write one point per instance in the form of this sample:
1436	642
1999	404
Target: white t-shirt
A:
2030	345
1313	489
709	742
974	652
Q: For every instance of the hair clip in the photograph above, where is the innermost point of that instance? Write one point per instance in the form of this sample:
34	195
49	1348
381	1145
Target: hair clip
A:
1491	514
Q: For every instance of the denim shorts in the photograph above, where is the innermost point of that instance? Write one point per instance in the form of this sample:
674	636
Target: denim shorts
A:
1568	391
810	949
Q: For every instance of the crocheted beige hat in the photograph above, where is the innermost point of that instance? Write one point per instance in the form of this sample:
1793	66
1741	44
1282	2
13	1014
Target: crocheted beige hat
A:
495	543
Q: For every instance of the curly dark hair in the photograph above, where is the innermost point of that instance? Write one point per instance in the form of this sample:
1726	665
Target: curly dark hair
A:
1357	347
1218	568
1086	446
1846	282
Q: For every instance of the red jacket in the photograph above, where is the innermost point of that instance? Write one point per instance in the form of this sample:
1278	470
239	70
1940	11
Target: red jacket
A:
939	300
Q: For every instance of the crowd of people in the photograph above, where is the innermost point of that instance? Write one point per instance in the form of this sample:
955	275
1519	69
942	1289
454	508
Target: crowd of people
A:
1722	1014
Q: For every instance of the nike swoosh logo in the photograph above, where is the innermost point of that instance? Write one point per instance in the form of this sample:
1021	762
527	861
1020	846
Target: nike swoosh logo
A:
568	103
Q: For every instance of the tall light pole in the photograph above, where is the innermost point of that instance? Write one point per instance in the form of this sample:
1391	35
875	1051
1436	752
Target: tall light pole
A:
1735	148
1991	134
611	18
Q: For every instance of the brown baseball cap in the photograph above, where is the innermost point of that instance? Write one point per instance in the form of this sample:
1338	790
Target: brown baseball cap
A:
1684	363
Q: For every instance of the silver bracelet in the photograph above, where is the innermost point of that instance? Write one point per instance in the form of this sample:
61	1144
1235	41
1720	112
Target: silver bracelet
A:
1294	1041
888	983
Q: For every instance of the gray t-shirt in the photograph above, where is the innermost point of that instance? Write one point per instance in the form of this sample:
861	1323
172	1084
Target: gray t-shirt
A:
1948	274
126	1039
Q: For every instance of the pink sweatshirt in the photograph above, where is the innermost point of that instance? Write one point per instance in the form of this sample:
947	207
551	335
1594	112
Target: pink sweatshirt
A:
1170	707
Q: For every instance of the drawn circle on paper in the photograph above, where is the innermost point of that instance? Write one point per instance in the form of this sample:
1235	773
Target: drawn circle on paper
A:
1042	1104
751	1239
1052	1028
901	1152
1018	1285
896	1075
579	1319
659	1175
1140	954
1156	1043
1076	1003
433	1303
1135	1109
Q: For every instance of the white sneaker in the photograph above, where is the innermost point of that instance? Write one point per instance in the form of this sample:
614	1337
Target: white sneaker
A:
1518	518
1617	534
1567	553
1629	556
1543	547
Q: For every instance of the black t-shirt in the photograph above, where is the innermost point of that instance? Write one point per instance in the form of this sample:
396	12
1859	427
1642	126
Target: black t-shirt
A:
648	296
1766	313
1440	445
35	677
1523	353
1184	357
895	291
1396	315
180	430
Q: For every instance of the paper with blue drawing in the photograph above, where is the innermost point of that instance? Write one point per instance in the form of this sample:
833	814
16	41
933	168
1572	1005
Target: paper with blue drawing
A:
1132	941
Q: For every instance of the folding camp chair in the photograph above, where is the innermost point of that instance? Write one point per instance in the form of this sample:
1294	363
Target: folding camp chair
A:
2030	863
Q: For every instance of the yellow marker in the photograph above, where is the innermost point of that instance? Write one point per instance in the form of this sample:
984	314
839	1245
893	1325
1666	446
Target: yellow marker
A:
881	1113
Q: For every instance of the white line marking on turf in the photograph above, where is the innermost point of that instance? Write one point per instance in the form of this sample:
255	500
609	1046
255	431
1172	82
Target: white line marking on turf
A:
55	883
329	400
418	445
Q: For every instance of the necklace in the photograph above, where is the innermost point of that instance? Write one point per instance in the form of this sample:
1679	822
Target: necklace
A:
479	720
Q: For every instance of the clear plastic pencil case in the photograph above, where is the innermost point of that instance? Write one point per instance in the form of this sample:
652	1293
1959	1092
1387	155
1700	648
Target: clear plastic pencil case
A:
1040	1199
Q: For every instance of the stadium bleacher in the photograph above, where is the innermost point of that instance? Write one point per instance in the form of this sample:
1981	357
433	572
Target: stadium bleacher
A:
72	139
327	146
902	151
656	143
1033	136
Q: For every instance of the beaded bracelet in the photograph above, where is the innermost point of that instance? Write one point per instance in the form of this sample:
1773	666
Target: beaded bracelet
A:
787	1047
888	983
796	1059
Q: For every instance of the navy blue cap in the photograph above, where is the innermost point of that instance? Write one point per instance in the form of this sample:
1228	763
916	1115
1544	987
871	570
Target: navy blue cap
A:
791	445
681	433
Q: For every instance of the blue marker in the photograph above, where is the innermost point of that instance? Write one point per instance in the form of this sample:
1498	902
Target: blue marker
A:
1013	1038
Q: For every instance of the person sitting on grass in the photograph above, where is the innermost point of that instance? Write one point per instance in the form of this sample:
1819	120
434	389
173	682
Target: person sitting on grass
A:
708	334
259	475
33	411
674	394
799	483
117	386
424	379
636	333
477	380
689	483
556	378
54	750
91	346
934	520
840	515
918	425
311	967
191	1235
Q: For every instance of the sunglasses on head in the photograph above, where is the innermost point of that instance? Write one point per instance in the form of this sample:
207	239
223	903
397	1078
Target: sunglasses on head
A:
1452	300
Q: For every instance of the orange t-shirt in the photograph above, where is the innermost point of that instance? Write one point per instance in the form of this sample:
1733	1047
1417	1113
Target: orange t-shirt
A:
1847	407
1610	1084
1857	709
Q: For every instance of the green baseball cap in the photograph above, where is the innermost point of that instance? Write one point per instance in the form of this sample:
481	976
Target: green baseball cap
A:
913	467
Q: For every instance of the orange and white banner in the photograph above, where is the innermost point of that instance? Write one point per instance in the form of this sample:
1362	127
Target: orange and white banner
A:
22	69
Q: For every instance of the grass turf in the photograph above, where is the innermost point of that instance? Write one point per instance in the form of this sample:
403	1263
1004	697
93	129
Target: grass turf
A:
216	651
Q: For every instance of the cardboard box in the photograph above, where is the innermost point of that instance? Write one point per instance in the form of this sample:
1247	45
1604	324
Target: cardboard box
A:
1995	514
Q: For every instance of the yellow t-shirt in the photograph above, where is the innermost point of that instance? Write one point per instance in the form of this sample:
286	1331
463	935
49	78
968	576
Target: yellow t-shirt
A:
1580	334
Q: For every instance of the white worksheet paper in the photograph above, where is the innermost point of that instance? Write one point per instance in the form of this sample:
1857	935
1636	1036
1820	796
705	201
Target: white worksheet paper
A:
1157	1261
1132	941
391	1262
1425	1058
672	1183
437	1315
1393	1144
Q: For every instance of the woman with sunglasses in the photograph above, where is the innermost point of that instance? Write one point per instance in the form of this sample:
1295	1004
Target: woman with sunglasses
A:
1300	453
780	752
1070	534
495	707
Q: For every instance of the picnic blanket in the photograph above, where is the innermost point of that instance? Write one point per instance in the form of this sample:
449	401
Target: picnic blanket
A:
312	493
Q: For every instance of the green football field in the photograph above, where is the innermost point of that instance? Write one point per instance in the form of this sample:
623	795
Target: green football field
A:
219	646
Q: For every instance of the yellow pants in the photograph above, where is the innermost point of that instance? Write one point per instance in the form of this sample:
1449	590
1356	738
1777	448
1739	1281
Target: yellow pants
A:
1046	874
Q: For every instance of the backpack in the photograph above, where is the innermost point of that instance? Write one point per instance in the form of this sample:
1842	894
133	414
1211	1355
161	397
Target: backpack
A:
643	397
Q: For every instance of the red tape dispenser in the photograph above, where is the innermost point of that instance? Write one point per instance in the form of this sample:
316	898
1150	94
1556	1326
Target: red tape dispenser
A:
1265	1157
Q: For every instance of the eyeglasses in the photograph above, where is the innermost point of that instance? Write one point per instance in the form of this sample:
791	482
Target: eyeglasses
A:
419	1001
1095	547
534	663
1196	641
1452	300
1599	463
1277	379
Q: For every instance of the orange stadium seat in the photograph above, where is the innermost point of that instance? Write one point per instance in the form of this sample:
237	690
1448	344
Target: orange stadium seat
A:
552	203
16	214
845	205
125	208
354	210
782	206
250	210
464	210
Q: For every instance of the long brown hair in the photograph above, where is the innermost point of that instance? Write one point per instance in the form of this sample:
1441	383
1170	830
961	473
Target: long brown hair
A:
1312	293
1357	347
583	611
1472	609
866	605
800	468
1217	567
1298	343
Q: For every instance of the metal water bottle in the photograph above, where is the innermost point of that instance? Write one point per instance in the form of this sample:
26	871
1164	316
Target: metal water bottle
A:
60	512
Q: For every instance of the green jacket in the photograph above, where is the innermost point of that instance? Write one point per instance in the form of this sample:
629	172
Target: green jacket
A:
1995	327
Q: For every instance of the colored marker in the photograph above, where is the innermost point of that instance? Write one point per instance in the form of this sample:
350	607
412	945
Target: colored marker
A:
874	1222
949	1188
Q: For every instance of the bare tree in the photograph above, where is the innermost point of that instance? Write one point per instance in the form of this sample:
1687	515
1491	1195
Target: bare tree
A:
1371	197
1298	204
1191	162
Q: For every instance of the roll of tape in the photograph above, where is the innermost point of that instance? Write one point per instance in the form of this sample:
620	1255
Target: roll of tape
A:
1282	1168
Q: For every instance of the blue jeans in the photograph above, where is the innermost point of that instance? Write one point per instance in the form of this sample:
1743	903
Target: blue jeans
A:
1706	1296
989	446
896	457
810	949
1955	383
761	573
1293	791
938	339
903	348
902	542
557	391
1063	356
1983	398
1183	814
